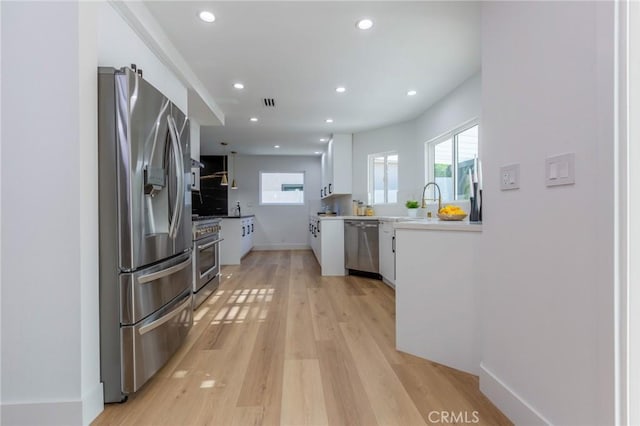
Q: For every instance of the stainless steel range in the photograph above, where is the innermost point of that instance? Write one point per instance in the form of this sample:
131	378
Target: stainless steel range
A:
207	233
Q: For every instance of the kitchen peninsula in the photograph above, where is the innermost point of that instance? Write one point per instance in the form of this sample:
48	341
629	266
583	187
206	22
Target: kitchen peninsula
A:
237	234
435	284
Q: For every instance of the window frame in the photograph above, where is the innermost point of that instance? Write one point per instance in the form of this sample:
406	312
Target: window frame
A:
370	178
430	145
304	183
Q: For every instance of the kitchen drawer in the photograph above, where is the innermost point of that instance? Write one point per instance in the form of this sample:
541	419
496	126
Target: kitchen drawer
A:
147	346
145	291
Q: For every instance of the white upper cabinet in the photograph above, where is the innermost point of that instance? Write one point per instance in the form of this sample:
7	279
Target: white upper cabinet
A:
336	166
195	154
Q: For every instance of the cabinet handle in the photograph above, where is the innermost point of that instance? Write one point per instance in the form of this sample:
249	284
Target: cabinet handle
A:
393	244
252	227
243	231
193	179
330	190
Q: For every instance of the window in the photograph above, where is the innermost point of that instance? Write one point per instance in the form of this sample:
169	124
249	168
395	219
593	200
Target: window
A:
449	159
383	178
282	188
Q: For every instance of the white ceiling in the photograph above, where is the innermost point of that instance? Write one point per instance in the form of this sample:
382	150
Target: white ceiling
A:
299	52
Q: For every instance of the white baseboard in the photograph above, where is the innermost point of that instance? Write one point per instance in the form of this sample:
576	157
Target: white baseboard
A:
508	401
63	413
268	247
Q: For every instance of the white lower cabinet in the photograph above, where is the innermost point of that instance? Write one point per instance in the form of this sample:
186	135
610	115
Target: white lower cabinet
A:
327	243
238	239
436	297
387	252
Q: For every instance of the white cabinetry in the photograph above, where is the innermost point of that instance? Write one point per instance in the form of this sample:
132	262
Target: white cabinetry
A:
238	239
386	252
248	228
314	234
436	298
327	243
336	166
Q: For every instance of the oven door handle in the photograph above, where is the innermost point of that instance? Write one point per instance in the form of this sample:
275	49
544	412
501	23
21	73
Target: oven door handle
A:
168	317
206	246
164	273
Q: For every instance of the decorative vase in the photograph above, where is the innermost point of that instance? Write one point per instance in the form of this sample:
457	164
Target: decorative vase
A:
413	212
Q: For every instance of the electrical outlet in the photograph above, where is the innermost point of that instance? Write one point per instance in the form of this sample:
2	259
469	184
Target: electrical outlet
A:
510	177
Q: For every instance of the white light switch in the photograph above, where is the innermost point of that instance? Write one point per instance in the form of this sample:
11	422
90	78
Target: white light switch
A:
560	170
510	177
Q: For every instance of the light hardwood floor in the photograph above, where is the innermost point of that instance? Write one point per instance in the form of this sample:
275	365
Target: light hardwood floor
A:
278	344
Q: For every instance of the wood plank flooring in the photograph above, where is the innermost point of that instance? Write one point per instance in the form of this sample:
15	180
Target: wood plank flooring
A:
278	344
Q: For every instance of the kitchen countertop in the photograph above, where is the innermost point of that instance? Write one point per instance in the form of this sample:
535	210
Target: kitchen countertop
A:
439	225
419	223
379	218
348	217
244	216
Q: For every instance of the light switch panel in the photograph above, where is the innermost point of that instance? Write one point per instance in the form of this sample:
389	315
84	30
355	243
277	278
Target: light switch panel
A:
560	170
510	177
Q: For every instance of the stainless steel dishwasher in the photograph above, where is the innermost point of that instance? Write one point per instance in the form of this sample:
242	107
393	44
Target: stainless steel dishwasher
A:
361	245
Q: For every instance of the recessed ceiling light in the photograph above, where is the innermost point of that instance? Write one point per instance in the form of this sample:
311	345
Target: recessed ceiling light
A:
364	24
207	16
340	89
254	119
323	139
276	146
318	152
329	120
238	86
412	93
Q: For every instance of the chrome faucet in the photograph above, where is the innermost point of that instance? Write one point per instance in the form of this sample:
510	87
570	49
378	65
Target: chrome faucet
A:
424	205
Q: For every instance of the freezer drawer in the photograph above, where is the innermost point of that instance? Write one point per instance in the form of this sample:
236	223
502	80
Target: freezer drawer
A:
145	291
147	346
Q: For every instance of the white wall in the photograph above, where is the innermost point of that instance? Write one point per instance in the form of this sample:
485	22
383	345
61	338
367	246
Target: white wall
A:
460	106
277	227
408	139
547	253
119	46
400	138
49	309
632	225
0	215
49	333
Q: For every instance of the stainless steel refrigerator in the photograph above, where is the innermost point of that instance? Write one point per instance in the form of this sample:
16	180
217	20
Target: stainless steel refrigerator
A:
145	230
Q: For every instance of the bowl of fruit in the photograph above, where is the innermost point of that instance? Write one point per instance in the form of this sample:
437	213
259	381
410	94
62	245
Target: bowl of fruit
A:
451	213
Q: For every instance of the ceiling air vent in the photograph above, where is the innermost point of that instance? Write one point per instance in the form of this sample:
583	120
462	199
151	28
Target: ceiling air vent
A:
269	102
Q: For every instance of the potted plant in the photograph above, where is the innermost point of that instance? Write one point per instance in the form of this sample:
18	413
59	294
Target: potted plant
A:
412	207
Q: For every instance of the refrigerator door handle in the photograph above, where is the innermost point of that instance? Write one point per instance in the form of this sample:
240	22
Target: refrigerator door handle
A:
164	273
182	170
168	317
175	217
